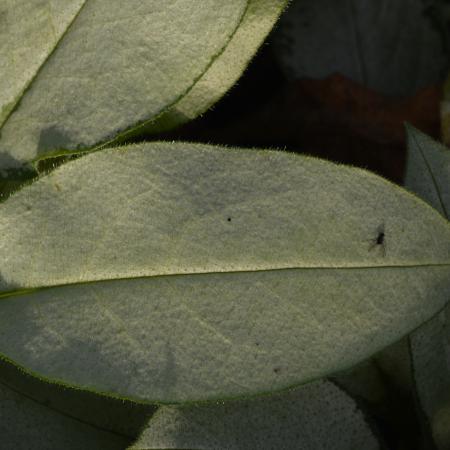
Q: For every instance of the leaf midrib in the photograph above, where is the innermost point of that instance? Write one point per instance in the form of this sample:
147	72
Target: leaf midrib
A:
32	290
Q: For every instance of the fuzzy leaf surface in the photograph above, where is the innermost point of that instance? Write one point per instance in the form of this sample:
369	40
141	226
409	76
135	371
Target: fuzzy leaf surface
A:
78	74
181	272
315	417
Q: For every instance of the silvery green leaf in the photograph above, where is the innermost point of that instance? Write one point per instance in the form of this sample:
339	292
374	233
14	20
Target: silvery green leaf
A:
180	272
78	74
315	417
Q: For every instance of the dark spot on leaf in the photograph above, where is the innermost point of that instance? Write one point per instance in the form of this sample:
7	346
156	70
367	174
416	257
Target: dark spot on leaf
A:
276	369
229	219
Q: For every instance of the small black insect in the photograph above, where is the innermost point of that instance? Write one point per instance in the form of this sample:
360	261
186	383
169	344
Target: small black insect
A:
380	240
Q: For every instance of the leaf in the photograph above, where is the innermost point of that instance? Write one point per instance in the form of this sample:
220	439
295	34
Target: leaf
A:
256	23
385	384
428	174
427	170
317	416
110	68
27	425
180	272
29	32
392	47
105	413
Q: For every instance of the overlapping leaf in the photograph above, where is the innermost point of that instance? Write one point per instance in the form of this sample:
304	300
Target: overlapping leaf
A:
113	415
27	425
79	73
316	417
428	174
177	272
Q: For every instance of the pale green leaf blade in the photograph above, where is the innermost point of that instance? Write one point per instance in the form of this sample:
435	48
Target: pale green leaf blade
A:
223	73
315	417
428	174
115	67
28	425
194	272
29	32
